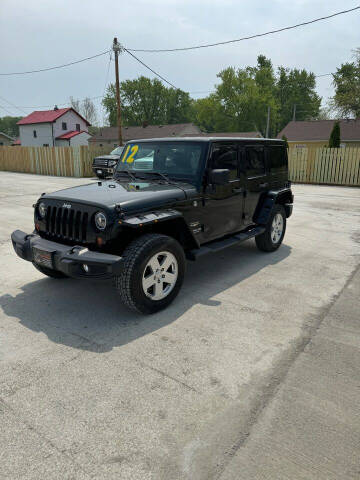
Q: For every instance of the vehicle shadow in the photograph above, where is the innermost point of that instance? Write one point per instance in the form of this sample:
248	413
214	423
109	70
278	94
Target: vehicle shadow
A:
89	315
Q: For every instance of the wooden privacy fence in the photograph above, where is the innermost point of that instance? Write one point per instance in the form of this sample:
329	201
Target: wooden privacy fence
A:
59	161
332	166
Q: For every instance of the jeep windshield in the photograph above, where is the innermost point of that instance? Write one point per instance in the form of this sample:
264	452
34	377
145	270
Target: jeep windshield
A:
175	160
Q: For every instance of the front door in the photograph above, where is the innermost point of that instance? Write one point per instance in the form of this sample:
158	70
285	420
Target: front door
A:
223	204
252	165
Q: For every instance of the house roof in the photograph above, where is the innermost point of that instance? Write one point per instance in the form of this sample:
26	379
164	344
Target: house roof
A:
72	133
47	116
6	135
150	131
320	130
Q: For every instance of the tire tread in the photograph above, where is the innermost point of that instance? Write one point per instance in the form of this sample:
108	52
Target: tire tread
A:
130	255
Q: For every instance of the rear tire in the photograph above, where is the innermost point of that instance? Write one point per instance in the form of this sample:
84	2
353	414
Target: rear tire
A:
49	272
271	239
154	269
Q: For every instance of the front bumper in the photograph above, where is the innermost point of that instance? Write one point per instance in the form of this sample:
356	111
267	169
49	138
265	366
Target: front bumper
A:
105	171
68	260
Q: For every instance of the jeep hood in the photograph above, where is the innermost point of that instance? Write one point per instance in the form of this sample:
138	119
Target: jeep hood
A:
131	196
108	157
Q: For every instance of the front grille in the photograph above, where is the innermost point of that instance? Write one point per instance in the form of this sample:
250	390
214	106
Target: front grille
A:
67	224
100	162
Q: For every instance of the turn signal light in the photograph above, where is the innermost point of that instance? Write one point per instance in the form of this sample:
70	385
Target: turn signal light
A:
37	226
99	241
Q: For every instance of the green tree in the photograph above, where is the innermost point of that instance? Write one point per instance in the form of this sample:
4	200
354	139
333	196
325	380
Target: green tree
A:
148	100
8	126
296	87
284	137
334	140
242	98
347	88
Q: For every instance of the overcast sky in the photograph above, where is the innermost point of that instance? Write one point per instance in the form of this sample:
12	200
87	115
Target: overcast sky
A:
41	33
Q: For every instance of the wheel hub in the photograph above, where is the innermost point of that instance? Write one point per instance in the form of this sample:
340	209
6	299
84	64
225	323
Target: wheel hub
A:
277	228
160	275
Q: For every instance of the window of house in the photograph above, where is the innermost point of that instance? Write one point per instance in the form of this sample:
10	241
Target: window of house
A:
1	143
100	145
254	161
78	127
45	144
34	134
225	156
64	126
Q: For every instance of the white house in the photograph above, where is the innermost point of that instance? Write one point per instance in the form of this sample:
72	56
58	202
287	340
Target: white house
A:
54	128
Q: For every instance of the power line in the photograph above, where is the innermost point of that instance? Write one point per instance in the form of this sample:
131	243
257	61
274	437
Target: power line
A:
243	38
151	70
58	66
18	108
58	104
6	110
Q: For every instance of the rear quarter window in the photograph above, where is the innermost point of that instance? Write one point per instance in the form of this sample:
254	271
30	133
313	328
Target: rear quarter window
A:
277	158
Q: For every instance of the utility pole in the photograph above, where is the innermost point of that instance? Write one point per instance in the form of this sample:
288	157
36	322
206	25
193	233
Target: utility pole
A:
117	49
294	113
267	123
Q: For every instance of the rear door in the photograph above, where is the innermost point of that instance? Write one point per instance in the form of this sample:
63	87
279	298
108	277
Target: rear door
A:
252	164
223	203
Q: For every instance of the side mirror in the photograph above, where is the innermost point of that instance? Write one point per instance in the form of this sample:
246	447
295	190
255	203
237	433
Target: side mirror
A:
219	176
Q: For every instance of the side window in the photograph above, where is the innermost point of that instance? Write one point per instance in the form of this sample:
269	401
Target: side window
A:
277	158
254	161
64	126
78	127
34	134
225	156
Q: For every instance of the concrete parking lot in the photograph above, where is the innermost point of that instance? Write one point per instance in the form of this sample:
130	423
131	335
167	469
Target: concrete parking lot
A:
252	373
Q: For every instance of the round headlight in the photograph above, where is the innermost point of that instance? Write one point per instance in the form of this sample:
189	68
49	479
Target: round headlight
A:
42	209
100	221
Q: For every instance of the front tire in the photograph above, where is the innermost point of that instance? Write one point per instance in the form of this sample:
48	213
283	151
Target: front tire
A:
271	239
154	269
49	272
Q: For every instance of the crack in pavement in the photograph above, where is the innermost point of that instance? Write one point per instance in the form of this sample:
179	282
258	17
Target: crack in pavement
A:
279	374
166	375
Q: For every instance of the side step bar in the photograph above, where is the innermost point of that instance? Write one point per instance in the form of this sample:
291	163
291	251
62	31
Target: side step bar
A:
218	245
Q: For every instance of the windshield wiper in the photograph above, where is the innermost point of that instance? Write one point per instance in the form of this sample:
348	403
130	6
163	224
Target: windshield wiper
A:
131	175
162	175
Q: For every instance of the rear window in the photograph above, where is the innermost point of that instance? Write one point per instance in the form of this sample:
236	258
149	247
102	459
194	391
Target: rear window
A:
277	158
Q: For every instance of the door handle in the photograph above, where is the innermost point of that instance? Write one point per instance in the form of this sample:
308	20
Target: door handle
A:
263	185
237	190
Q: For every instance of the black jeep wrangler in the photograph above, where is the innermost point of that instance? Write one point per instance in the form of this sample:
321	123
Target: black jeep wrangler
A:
169	200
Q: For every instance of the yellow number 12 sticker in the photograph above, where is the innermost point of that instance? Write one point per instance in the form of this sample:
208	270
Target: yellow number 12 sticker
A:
130	153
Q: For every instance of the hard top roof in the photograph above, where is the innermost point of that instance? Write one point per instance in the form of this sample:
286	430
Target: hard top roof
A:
207	139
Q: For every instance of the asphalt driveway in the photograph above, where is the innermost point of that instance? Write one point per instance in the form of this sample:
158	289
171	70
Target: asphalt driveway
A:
91	390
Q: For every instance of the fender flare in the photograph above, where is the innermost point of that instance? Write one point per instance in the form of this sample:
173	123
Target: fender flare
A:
155	218
266	204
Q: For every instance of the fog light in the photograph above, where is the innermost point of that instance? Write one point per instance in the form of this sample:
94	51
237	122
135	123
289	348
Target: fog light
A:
86	268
